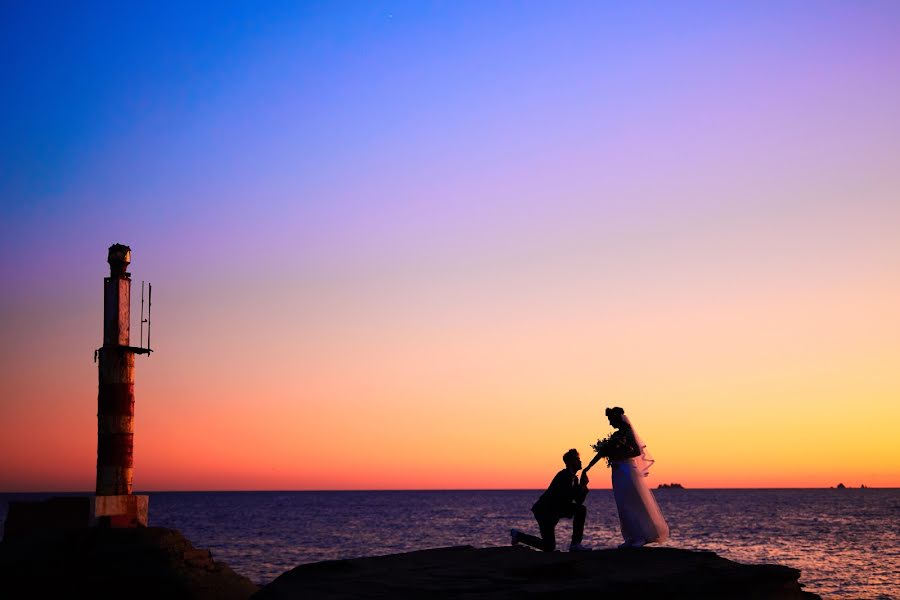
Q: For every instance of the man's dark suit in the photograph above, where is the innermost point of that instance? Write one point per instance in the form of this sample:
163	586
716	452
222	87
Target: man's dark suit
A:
563	499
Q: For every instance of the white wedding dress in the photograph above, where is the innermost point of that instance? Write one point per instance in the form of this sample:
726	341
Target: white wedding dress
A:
639	515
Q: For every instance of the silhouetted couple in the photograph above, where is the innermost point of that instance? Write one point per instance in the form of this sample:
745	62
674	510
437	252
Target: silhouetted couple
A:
639	515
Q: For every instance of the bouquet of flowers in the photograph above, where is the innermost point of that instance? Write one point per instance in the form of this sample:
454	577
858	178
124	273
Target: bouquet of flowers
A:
613	447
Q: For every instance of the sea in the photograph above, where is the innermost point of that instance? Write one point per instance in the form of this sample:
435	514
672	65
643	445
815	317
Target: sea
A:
846	542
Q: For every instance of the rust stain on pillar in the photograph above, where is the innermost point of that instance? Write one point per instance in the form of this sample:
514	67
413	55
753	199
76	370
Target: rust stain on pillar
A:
115	401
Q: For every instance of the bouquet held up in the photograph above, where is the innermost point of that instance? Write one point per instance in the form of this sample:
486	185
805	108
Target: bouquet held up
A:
613	447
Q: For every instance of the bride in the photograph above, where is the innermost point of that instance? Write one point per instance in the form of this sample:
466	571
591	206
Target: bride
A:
627	456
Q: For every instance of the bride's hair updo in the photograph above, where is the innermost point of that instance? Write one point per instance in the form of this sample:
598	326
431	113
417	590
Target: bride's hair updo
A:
615	411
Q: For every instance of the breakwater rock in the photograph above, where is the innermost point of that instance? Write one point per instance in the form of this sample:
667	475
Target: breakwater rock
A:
516	572
145	562
154	562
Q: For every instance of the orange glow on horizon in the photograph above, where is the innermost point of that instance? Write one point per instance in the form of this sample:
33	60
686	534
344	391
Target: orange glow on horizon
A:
784	375
464	409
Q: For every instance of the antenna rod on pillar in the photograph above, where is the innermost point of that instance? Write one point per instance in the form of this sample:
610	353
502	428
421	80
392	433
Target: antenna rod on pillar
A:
142	314
149	308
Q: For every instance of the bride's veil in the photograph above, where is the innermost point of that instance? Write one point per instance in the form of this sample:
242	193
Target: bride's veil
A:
645	460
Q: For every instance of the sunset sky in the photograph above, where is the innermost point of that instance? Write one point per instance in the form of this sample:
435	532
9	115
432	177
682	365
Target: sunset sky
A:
423	245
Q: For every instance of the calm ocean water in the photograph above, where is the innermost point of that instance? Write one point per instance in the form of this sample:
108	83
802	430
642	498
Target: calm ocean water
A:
846	542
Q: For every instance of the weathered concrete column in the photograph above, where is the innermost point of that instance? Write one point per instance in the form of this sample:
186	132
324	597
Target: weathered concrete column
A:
115	401
114	504
115	422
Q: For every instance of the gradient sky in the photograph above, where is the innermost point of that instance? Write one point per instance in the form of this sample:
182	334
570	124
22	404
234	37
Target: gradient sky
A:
423	245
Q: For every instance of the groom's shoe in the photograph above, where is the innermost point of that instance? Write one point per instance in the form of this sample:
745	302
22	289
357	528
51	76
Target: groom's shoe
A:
579	548
514	535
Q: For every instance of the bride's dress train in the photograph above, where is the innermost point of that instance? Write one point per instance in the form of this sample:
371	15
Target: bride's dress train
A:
639	515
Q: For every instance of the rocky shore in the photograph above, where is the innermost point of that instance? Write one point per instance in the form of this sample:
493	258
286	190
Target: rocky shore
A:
126	564
161	563
516	572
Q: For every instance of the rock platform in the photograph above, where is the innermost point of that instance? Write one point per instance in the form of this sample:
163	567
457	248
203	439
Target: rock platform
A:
132	564
517	572
152	562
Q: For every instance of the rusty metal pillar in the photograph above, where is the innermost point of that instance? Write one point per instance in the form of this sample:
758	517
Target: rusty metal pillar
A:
115	402
114	505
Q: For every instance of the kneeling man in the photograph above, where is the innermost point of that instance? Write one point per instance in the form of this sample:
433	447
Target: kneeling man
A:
563	499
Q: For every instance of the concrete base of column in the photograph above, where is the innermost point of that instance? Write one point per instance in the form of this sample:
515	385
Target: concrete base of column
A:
120	511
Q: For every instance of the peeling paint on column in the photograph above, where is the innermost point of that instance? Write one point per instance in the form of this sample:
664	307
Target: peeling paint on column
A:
115	398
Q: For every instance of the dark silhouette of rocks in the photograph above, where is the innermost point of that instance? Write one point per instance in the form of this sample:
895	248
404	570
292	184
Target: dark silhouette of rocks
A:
516	572
135	563
143	563
841	486
670	486
25	519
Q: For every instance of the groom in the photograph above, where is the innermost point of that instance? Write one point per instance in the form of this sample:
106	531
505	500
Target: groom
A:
563	499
